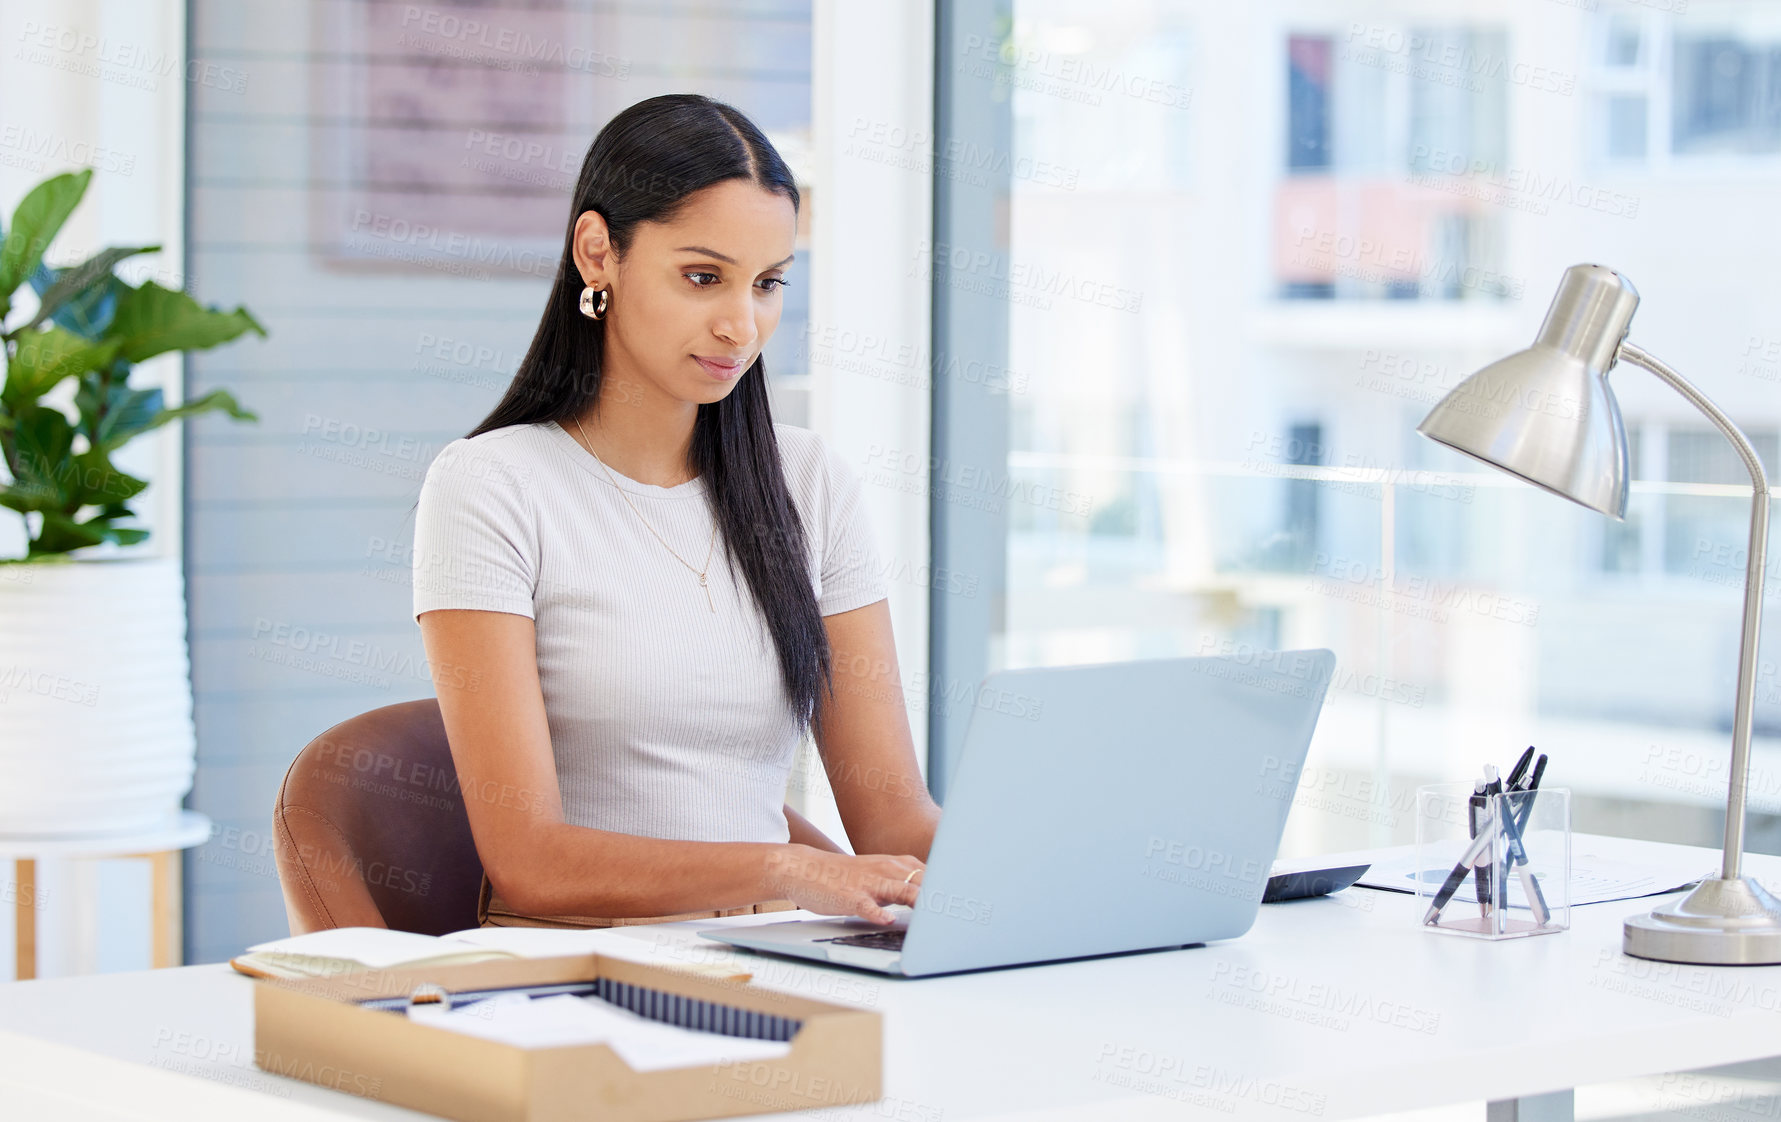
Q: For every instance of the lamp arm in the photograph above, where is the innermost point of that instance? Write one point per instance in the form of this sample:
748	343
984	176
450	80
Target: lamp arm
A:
1754	565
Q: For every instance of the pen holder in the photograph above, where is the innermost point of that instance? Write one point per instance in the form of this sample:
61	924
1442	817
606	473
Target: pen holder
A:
1515	849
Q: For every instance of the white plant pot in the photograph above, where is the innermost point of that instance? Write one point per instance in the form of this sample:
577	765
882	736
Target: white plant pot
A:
96	732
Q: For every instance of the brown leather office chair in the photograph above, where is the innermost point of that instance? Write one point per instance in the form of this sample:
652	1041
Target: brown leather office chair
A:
370	828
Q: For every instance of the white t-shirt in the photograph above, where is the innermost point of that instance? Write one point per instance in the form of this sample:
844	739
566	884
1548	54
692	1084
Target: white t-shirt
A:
667	719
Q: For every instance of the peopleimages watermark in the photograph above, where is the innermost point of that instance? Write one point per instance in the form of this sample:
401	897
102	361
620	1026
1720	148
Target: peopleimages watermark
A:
33	149
1446	60
1519	188
1353	795
1273	454
1703	1097
966	484
1201	1085
1322	1004
359	660
212	1058
122	63
1070	77
383	235
1699	989
465	37
370	446
20	679
1203	867
909	364
1365	582
1761	358
1488	396
1675	6
1018	282
521	159
1707	774
1372	261
896	145
1296	673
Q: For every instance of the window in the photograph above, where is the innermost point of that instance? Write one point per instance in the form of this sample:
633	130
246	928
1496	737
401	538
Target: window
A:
1393	205
1392	133
1698	86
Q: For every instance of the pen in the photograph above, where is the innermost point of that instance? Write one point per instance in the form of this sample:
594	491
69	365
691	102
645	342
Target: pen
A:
1474	810
1512	823
1469	858
1466	861
1493	786
1517	820
1520	770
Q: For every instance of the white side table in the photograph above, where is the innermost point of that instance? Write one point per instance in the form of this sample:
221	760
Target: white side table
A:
160	847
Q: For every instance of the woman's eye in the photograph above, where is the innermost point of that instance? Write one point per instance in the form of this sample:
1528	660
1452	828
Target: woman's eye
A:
693	277
779	281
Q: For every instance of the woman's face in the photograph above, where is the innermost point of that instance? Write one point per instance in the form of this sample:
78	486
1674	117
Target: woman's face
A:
695	299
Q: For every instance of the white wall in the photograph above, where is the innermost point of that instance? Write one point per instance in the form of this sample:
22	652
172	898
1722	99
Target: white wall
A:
873	69
101	83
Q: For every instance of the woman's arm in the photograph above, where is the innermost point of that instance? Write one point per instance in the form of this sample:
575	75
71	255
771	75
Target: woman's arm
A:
862	731
804	832
485	673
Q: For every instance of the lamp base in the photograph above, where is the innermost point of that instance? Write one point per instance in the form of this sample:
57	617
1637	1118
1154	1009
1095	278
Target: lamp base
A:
1720	923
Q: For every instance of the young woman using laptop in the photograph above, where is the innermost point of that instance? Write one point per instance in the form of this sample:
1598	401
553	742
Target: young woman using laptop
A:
637	592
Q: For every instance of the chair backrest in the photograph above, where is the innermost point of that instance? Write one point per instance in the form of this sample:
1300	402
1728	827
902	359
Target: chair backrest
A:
370	828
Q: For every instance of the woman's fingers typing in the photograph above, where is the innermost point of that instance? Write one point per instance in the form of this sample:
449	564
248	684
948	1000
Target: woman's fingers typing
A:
847	884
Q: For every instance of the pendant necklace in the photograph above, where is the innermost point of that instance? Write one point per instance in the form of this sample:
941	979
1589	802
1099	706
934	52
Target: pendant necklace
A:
700	573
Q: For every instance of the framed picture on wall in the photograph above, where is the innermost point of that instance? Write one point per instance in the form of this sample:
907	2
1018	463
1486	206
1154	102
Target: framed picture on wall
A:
448	138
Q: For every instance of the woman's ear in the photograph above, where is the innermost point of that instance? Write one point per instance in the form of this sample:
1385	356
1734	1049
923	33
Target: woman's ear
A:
592	249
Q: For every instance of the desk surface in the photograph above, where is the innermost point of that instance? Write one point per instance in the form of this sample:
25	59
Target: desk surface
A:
1331	1008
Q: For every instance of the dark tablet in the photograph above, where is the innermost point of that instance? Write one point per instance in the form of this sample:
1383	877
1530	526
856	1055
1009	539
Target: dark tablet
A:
1310	882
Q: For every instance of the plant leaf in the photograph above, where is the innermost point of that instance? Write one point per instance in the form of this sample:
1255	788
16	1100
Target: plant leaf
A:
34	225
126	411
43	440
41	359
214	400
97	483
61	534
89	312
77	279
152	320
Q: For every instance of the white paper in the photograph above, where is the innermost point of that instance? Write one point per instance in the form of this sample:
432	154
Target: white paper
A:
375	947
545	942
1594	879
566	1019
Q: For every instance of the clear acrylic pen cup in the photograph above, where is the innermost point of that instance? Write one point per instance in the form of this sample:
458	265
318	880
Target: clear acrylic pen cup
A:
1515	850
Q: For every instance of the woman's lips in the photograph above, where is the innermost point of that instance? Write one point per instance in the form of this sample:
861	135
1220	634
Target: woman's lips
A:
717	369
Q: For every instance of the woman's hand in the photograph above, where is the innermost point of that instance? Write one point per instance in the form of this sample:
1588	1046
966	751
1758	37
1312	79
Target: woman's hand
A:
842	883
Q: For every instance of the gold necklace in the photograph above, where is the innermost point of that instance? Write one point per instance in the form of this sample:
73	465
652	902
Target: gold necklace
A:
700	573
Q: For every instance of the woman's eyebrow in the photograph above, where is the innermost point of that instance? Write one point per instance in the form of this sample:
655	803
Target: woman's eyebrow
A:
722	257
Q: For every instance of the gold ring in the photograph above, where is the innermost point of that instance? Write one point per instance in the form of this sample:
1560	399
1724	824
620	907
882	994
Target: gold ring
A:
911	875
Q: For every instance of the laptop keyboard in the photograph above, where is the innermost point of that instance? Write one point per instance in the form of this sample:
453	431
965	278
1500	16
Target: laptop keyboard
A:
877	940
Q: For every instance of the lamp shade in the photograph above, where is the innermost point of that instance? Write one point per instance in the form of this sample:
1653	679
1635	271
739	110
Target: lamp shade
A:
1546	414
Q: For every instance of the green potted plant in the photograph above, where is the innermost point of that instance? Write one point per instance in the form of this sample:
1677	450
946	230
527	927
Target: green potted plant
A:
95	694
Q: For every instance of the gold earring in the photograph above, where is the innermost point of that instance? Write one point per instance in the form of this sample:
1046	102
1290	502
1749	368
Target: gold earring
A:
587	302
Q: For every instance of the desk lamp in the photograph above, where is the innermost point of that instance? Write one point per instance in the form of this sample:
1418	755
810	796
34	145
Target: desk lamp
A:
1547	416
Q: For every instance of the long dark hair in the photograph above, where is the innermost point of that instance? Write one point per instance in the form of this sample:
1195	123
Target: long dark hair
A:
643	167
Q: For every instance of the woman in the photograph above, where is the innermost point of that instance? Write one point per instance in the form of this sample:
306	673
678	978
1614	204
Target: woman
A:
623	694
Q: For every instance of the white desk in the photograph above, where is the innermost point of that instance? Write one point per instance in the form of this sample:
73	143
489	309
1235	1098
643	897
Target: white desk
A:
1333	1008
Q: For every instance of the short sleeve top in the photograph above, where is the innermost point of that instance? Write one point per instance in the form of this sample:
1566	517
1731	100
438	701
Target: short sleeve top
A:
667	709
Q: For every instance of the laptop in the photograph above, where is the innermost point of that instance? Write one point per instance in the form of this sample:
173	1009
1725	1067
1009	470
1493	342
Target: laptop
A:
1095	810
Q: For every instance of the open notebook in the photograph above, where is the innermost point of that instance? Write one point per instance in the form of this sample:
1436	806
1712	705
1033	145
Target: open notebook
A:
320	954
